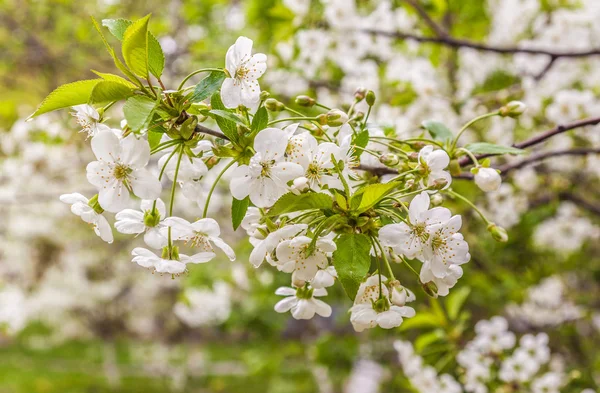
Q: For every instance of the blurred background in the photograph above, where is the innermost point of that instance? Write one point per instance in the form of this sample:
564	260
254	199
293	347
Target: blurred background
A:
77	316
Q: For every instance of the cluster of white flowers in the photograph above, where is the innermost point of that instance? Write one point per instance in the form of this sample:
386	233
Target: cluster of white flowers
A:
567	231
492	361
200	307
546	304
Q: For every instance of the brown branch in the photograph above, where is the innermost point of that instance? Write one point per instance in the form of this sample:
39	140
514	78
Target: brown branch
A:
541	137
464	43
582	203
437	29
505	169
205	130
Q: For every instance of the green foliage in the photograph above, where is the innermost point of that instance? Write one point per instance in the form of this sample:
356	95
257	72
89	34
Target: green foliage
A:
370	195
361	140
229	116
352	260
68	95
490	148
455	301
290	203
156	57
227	126
109	91
239	207
208	86
138	112
135	47
260	120
438	130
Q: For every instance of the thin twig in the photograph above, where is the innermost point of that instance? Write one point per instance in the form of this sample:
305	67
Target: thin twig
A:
437	29
541	137
464	43
205	130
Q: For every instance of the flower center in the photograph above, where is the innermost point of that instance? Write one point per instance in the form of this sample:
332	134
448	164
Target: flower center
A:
420	232
200	241
121	172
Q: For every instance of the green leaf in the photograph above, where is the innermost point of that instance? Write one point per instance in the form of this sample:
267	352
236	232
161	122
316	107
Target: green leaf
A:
490	148
115	78
361	140
138	112
229	116
370	195
455	301
228	127
290	202
109	91
421	320
438	130
426	339
156	57
208	86
117	27
260	120
68	95
116	60
352	260
135	47
154	138
238	211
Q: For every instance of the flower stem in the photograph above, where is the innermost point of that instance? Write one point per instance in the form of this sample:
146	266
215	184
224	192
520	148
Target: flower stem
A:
385	259
290	119
173	188
469	124
468	202
212	188
197	72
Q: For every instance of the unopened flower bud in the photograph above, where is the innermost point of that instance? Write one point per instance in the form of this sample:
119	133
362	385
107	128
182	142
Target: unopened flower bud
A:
389	159
399	296
300	185
296	282
487	179
264	95
273	105
436	199
358	115
336	118
305	101
439	184
513	109
322	119
370	98
498	233
360	94
430	289
414	156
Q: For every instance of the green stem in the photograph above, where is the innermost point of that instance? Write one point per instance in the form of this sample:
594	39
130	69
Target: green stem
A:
468	202
173	188
195	73
164	145
385	259
469	124
212	188
471	155
322	106
364	125
371	152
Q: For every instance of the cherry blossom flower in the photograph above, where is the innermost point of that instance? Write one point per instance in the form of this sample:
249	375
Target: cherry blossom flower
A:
292	256
202	234
80	206
243	69
149	260
265	178
433	163
120	169
88	118
148	221
302	302
264	248
411	238
446	246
